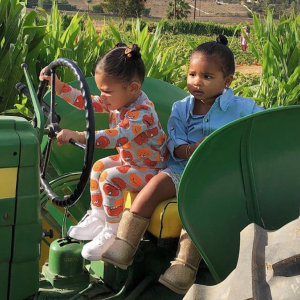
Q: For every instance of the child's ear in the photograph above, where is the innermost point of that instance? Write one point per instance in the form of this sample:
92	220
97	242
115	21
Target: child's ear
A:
228	81
134	87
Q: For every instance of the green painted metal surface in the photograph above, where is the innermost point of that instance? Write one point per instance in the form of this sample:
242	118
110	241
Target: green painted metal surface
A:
20	223
66	265
65	257
247	171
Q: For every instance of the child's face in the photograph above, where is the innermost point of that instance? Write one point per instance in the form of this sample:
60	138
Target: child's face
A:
205	79
116	94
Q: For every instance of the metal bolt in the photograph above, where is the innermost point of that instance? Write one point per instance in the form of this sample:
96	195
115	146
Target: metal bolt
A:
6	216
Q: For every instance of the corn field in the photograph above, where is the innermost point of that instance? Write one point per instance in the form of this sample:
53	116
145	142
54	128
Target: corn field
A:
37	38
277	48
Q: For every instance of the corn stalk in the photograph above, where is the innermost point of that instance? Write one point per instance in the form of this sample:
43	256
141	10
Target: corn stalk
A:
280	47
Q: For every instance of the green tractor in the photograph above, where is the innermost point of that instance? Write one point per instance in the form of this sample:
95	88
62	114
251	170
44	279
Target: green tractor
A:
245	172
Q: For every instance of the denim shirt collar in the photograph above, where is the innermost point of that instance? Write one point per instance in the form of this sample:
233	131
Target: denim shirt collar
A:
222	101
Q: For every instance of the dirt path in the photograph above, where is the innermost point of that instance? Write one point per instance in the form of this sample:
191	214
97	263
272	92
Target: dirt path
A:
256	70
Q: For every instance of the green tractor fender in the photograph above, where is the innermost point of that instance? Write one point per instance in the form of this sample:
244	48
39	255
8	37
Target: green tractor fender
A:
245	172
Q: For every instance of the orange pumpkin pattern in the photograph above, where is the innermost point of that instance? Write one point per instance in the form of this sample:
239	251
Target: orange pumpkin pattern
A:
109	177
94	185
98	166
97	200
135	180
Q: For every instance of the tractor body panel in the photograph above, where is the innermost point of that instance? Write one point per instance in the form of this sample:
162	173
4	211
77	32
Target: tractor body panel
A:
20	222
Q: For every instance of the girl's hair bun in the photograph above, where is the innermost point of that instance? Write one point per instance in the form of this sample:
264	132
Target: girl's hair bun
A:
136	50
133	51
222	39
120	44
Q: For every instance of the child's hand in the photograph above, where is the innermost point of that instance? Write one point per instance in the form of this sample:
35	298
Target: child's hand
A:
199	142
58	84
65	135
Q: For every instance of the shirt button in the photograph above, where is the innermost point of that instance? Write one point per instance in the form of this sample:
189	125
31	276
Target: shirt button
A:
206	120
172	128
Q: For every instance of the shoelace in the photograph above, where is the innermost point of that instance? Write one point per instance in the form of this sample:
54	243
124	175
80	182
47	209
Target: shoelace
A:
88	213
105	234
88	218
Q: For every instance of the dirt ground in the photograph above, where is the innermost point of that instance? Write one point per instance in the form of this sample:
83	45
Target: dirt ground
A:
256	70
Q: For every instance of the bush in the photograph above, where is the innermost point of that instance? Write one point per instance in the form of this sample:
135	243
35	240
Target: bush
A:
66	20
192	27
62	5
146	12
97	8
128	26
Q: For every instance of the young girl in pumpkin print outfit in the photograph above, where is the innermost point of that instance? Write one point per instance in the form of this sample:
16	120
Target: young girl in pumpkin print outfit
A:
135	132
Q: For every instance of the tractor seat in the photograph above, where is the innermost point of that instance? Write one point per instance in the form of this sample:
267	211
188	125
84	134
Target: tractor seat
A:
165	224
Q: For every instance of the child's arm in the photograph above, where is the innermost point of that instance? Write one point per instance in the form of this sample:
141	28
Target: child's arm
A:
185	151
178	142
58	84
72	95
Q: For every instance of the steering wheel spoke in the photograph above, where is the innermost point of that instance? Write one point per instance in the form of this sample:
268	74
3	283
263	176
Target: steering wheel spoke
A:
45	158
77	144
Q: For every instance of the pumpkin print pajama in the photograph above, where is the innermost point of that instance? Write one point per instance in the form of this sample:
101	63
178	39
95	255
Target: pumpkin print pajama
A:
136	133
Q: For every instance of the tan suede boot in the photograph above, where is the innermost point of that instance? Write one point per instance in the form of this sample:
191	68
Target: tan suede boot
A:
182	273
131	229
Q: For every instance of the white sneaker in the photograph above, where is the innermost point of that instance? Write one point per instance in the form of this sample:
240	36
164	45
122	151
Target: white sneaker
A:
94	249
88	228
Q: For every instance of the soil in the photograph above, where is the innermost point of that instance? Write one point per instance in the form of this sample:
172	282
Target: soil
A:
256	70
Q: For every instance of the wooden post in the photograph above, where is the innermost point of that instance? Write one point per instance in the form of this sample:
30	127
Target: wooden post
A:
175	10
195	10
199	8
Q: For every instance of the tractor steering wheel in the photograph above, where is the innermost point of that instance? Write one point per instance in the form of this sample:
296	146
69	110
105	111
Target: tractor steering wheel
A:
52	128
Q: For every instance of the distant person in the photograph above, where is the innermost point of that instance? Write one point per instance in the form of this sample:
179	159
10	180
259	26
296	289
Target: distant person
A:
151	28
243	40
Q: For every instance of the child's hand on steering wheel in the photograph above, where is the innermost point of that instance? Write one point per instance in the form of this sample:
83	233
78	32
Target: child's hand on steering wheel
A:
58	84
64	136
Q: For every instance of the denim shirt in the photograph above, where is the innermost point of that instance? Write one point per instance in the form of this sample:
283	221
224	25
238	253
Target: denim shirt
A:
186	128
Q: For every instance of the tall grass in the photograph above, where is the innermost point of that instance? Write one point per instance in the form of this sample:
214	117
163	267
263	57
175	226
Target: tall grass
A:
42	39
18	39
160	62
279	46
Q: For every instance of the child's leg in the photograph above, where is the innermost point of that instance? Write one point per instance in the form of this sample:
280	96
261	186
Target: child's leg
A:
111	184
92	223
160	188
134	223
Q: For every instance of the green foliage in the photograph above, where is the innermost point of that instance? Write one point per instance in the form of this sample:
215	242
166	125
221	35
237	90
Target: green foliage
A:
67	19
125	8
19	36
146	12
278	51
192	27
97	8
62	4
161	62
183	9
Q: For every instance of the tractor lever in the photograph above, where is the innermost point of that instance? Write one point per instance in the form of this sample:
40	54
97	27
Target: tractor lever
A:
48	233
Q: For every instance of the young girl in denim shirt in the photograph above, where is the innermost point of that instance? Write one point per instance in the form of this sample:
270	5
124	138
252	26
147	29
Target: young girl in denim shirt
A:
211	105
